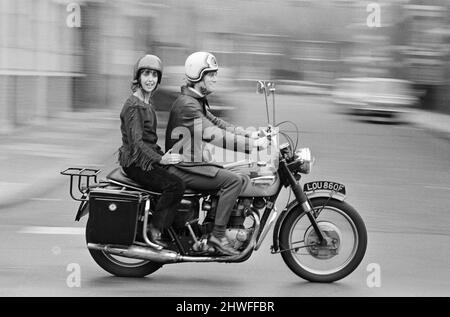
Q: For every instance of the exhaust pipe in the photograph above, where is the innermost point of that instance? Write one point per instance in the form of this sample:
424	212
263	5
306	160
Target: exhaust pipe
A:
138	252
167	256
150	254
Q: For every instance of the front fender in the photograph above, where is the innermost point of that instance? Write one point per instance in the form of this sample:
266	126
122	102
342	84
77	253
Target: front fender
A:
293	205
325	194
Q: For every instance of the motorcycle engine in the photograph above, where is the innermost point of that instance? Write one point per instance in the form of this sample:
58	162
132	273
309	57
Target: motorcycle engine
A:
187	210
238	237
236	232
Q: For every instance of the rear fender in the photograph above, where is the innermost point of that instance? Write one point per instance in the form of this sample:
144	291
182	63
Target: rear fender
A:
83	210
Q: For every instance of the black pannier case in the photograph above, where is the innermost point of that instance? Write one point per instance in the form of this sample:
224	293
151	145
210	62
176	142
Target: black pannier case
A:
113	216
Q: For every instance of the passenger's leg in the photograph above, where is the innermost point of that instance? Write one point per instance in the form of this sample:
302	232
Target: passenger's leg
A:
172	188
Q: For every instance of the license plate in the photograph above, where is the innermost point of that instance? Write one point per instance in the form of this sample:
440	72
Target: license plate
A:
324	185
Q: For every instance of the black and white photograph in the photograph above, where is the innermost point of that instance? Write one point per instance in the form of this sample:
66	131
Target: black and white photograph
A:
224	154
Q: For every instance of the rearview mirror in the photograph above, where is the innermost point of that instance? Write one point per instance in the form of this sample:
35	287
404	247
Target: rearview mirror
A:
265	87
270	85
260	87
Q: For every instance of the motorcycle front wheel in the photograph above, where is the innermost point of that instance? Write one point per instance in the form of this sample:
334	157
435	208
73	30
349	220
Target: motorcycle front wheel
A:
121	266
344	231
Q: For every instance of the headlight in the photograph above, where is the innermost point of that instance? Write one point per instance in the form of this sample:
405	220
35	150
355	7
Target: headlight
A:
306	160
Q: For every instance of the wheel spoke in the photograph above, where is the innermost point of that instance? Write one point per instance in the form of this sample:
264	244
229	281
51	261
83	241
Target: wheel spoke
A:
338	228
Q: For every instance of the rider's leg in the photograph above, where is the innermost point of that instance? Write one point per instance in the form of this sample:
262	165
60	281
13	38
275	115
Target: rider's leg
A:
229	186
230	189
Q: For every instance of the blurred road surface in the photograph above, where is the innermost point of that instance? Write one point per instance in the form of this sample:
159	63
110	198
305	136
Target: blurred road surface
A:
397	177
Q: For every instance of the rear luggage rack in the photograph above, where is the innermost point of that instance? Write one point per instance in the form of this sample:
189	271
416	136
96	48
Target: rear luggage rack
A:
82	174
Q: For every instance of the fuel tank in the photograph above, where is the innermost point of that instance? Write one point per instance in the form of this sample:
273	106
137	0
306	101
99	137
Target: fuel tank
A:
260	180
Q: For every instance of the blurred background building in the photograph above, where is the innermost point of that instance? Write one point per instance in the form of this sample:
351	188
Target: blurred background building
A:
47	67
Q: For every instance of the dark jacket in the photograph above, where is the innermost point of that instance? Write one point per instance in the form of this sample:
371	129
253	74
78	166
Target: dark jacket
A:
138	127
191	125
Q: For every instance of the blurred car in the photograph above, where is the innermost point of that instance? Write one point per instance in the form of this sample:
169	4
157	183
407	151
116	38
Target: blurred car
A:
375	99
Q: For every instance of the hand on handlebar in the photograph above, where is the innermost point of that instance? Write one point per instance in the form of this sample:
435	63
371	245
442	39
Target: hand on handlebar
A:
170	158
254	134
263	132
268	131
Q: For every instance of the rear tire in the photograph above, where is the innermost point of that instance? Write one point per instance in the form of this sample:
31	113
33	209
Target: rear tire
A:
292	258
120	266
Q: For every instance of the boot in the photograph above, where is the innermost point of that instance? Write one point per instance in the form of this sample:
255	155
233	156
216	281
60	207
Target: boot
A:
222	245
155	236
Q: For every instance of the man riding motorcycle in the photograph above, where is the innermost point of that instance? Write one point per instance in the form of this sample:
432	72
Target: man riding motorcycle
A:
189	118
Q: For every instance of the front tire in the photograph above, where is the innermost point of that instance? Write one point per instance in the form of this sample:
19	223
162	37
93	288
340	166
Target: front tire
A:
316	263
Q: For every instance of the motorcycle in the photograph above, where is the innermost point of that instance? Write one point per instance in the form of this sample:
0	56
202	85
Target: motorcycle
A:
320	237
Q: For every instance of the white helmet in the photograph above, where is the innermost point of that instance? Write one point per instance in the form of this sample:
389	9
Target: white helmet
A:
198	63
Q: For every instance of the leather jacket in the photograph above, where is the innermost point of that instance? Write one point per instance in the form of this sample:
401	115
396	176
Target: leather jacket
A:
191	126
138	127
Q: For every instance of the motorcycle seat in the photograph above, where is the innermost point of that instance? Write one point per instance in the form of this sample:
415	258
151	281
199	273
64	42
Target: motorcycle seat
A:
119	177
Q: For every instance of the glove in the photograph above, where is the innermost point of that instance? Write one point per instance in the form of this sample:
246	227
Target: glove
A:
261	133
254	135
170	158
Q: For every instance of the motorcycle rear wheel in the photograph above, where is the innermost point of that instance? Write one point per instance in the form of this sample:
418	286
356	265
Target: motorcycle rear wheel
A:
121	266
315	263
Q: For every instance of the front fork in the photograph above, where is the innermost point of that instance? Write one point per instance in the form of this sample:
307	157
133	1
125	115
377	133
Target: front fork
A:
303	200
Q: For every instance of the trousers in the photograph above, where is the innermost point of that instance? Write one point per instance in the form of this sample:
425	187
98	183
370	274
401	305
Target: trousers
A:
159	179
227	184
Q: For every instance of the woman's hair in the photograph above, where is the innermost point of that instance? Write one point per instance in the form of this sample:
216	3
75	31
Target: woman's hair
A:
134	86
136	83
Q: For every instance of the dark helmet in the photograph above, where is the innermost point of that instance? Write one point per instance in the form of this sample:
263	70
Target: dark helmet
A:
148	61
